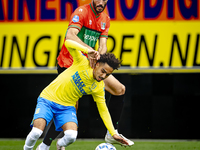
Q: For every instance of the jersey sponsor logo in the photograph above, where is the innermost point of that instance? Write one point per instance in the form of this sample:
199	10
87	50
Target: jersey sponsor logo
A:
90	37
75	18
79	83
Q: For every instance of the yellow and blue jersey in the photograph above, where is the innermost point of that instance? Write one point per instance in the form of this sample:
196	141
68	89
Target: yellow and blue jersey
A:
75	82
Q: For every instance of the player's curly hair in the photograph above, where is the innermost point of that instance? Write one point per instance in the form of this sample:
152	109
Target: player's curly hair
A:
110	59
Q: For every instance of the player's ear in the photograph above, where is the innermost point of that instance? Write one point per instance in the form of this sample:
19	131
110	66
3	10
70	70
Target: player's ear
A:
96	65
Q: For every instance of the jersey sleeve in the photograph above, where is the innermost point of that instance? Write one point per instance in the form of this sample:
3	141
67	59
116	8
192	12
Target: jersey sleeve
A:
104	34
77	18
75	49
103	111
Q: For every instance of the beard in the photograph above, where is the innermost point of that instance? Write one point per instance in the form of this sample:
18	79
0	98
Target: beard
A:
99	11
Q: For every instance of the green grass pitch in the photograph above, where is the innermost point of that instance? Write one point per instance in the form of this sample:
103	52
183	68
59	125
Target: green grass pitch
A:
86	144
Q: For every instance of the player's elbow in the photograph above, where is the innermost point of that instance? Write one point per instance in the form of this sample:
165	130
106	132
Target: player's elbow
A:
121	90
71	34
68	36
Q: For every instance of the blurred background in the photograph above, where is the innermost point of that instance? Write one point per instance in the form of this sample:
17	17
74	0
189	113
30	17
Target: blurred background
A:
158	42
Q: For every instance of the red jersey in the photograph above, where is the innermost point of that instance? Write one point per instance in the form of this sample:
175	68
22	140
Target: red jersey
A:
91	26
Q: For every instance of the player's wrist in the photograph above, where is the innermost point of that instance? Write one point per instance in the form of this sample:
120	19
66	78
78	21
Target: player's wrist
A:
85	50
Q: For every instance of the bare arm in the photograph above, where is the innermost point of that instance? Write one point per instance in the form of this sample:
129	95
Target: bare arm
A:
102	45
72	35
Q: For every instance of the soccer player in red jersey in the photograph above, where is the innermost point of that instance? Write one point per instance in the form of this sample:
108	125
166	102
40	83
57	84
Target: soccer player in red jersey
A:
89	23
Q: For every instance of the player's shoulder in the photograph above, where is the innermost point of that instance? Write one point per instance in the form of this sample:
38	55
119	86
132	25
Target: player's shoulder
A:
105	16
82	9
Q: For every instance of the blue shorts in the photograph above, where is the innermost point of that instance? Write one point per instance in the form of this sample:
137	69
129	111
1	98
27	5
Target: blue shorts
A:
49	110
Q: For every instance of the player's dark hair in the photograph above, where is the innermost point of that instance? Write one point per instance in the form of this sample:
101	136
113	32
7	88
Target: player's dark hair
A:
110	59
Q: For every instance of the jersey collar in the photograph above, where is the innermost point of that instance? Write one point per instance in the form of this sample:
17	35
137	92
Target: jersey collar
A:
93	10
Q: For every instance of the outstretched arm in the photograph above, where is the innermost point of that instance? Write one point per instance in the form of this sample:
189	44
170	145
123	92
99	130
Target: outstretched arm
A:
73	45
104	113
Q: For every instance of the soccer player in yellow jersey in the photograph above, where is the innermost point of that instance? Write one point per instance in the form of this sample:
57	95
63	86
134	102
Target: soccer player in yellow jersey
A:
58	99
87	24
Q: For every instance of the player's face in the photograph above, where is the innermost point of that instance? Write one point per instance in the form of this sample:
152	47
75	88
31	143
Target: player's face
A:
102	71
99	5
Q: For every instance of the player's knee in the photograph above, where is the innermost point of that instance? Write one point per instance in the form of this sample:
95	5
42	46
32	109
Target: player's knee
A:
32	137
70	137
36	133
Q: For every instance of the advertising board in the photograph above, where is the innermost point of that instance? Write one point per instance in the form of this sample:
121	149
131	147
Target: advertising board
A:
147	35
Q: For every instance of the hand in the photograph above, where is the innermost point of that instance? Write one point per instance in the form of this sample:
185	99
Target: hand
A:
92	63
119	139
93	56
